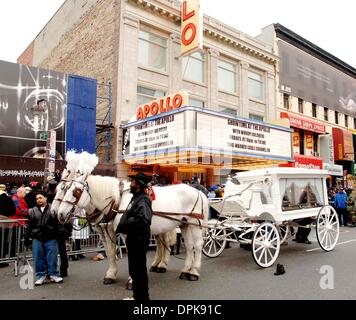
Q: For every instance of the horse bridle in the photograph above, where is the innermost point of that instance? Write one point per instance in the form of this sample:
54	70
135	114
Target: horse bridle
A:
78	192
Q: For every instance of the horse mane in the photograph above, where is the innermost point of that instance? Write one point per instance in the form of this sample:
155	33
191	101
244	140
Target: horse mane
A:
101	187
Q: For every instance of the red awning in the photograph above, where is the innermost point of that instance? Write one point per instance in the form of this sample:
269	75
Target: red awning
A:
304	124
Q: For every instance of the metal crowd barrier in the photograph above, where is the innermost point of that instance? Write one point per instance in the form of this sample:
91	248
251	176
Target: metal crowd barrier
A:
83	241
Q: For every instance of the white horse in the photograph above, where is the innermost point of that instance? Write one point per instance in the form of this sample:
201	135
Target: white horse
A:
178	205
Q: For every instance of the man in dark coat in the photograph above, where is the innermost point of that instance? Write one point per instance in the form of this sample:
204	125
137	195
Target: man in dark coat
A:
136	223
196	184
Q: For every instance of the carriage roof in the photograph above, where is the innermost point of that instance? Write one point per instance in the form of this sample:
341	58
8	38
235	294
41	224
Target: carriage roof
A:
281	172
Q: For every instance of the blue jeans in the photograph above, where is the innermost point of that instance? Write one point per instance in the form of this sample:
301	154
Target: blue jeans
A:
45	257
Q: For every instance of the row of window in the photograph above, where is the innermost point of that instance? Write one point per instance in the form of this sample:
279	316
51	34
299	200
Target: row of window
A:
153	53
286	105
146	95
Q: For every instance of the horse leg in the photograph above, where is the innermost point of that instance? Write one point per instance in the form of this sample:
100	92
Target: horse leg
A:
158	255
188	243
198	247
166	253
107	234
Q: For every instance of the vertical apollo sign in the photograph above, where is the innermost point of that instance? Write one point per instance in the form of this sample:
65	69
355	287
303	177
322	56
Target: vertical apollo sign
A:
192	27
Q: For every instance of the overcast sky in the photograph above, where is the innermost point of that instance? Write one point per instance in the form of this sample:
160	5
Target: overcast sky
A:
329	24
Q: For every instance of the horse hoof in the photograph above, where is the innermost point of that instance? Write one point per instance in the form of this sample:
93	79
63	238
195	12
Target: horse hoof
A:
154	269
108	281
161	270
184	276
193	277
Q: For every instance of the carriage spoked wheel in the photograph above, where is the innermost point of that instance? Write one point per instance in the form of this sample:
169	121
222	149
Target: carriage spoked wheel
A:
284	231
214	239
327	228
265	245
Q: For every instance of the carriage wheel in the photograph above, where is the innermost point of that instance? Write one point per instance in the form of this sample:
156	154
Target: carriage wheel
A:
265	245
214	239
327	228
284	231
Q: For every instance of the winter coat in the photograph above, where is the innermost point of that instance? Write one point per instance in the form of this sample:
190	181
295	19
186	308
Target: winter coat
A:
21	209
136	220
340	200
7	206
42	226
200	187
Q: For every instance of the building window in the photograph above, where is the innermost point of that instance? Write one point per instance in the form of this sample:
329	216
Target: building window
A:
326	114
314	111
228	111
146	95
286	101
226	76
255	86
346	121
152	51
193	67
336	117
196	103
300	106
256	117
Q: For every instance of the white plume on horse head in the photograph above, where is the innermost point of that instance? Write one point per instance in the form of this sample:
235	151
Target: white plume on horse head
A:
87	162
72	160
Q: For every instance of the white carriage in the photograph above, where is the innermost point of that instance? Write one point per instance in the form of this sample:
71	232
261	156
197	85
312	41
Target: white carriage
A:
259	207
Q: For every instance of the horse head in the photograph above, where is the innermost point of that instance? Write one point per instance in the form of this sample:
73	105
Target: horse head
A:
76	196
61	189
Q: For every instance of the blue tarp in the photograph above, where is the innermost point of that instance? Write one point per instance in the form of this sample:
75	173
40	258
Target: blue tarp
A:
81	114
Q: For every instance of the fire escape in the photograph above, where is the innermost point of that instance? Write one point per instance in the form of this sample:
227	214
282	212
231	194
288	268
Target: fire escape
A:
104	125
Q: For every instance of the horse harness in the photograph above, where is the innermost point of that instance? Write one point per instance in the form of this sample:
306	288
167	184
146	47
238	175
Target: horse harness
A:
184	222
114	210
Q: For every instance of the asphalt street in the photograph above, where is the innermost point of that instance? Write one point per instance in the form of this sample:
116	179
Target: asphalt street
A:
231	276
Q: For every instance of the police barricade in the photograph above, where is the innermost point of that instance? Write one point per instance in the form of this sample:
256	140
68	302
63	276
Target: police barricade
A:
84	240
11	240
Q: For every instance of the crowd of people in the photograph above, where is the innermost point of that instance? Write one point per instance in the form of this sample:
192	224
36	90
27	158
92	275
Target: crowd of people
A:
28	205
344	202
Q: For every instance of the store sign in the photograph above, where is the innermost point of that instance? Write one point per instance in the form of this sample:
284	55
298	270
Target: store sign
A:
191	27
163	105
219	133
309	139
305	124
333	169
305	162
343	145
296	139
164	133
326	144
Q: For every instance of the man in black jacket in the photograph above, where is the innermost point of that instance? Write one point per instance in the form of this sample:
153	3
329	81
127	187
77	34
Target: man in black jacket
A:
42	227
136	223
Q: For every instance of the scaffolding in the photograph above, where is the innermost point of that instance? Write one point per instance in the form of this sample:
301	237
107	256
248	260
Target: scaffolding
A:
104	123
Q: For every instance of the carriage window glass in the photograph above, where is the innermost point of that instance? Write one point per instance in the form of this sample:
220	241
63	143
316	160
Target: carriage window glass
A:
301	193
